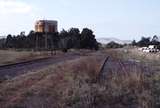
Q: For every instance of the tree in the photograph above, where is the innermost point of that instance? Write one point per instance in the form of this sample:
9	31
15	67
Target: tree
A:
88	39
22	33
54	40
2	43
74	38
9	41
63	40
134	43
145	41
113	45
31	39
155	40
63	43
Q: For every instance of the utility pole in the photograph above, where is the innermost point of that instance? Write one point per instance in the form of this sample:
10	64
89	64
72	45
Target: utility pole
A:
36	42
51	40
45	36
46	41
55	46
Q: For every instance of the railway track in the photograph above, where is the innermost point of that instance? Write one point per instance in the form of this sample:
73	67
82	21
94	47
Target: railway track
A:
88	101
102	69
23	63
13	70
113	66
109	69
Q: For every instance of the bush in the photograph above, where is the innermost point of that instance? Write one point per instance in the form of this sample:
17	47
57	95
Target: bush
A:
113	45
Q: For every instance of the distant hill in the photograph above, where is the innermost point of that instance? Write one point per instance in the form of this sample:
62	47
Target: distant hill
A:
107	40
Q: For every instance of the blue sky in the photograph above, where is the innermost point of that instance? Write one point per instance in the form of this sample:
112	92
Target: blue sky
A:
123	19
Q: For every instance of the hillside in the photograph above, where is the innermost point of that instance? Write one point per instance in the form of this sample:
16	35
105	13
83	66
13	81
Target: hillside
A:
107	40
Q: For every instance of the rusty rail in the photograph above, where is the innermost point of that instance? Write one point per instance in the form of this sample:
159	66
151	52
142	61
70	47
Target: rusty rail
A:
24	62
101	70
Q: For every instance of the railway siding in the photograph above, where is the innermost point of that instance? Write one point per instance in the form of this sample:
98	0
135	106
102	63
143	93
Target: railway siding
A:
113	66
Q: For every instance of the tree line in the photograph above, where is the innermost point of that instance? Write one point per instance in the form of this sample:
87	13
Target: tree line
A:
146	41
64	40
143	42
113	44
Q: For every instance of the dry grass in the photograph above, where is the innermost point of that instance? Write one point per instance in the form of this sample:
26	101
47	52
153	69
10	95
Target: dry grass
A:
71	85
50	87
12	56
148	56
129	90
145	84
132	90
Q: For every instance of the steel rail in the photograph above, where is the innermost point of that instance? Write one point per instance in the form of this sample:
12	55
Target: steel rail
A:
24	62
101	69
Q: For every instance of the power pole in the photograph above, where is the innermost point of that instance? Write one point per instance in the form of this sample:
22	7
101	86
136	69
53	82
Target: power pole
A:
46	41
45	35
36	42
51	40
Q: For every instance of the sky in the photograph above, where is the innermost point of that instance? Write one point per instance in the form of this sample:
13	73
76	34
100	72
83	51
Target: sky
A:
122	19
